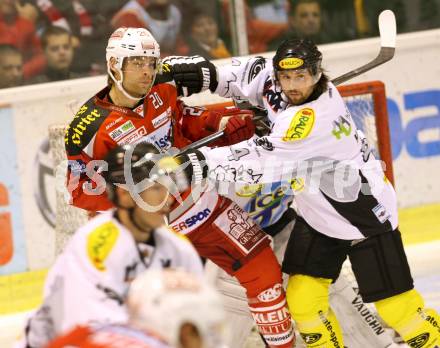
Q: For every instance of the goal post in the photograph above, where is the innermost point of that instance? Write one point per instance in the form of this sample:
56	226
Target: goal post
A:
367	103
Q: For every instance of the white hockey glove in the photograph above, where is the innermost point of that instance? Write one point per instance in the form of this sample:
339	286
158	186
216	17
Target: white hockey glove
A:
191	75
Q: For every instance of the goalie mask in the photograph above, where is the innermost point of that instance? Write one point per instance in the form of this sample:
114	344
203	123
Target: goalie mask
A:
135	44
300	56
161	301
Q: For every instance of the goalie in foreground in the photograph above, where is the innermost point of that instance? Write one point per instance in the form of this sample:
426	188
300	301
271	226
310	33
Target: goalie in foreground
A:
314	139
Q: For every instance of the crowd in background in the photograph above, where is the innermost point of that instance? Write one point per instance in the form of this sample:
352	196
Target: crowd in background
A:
51	40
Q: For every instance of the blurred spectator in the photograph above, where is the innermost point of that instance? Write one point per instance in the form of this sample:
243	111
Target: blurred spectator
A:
411	15
204	39
341	18
305	21
20	32
160	17
58	49
274	11
259	32
188	7
26	9
88	21
11	66
70	15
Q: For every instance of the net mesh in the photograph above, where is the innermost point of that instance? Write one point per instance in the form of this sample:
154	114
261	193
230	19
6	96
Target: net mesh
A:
362	110
68	218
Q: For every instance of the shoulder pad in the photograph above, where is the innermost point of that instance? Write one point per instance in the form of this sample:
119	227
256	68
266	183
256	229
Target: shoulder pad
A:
256	65
84	126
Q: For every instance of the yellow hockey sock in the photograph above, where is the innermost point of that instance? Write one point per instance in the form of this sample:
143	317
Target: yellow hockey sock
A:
405	313
308	301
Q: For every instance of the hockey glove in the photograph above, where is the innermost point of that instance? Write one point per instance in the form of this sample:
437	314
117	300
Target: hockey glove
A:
190	163
237	125
191	74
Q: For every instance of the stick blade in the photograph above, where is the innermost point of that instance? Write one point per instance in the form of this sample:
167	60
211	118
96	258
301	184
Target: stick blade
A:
387	28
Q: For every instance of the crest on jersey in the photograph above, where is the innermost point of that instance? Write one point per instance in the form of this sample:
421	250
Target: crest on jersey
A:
301	125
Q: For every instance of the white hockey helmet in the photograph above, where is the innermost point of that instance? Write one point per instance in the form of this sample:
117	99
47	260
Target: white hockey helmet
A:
130	42
162	300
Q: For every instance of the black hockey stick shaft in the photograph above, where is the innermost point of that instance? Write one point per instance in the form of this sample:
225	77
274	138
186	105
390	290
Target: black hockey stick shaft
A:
385	54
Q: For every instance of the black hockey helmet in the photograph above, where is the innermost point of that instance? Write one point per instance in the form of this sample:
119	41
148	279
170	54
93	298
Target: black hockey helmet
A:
140	170
141	164
298	54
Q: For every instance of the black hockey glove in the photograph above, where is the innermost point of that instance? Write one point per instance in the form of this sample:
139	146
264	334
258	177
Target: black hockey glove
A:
192	74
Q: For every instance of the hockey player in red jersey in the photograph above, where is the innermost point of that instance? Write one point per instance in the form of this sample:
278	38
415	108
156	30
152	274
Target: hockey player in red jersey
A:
134	109
166	309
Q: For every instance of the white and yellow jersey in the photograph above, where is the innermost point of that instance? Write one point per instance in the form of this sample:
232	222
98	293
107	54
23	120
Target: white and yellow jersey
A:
90	279
340	188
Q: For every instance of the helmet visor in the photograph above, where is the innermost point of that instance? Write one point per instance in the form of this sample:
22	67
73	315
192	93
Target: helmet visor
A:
140	63
297	78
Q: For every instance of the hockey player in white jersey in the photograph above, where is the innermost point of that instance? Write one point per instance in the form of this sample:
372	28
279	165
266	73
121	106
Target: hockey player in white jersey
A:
166	309
89	280
346	206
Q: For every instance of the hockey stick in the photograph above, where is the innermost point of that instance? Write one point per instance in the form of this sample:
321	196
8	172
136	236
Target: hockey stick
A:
387	30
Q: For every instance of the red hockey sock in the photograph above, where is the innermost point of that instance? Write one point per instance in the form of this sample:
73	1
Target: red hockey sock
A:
262	279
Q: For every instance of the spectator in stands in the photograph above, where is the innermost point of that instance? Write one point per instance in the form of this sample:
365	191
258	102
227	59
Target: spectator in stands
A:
88	22
20	32
27	9
203	38
346	19
411	15
305	21
260	32
11	66
161	17
58	49
274	11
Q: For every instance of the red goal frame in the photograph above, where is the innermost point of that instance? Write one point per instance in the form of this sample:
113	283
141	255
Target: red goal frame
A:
377	90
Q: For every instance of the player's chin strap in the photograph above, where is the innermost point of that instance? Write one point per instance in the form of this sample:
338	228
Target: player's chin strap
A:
133	221
119	84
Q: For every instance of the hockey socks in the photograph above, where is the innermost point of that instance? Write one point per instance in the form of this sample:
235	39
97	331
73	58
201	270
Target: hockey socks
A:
261	277
405	313
308	300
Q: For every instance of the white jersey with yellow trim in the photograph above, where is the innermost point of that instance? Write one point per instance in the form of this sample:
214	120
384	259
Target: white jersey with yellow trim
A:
90	279
340	188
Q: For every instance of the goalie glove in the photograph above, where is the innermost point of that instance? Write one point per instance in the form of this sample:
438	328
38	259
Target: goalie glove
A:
237	125
191	75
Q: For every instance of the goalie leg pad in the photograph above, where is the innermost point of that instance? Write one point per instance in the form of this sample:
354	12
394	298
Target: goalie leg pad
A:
308	299
405	313
261	277
380	266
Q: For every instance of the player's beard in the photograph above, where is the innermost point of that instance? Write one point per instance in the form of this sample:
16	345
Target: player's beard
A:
296	97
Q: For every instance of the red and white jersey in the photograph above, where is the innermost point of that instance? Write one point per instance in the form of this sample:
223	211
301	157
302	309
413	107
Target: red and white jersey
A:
99	126
340	188
108	336
90	279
